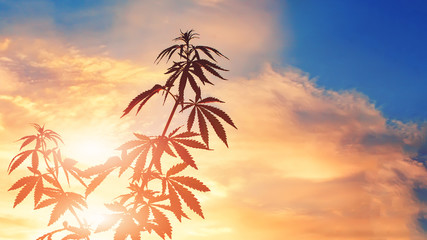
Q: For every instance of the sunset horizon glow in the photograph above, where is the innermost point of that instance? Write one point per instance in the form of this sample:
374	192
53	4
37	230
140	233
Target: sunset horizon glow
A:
328	100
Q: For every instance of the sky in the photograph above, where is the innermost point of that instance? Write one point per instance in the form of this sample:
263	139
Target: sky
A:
328	98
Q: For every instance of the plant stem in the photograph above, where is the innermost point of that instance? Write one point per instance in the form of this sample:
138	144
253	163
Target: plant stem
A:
170	118
77	217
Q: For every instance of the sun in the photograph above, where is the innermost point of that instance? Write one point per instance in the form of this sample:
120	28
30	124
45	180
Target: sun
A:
90	150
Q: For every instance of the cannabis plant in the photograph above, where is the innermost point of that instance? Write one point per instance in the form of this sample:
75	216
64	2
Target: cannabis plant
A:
147	206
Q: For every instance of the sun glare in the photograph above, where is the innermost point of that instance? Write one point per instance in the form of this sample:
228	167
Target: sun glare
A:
89	150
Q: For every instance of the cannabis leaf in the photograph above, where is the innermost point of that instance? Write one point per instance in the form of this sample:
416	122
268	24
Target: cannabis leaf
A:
151	195
142	99
211	113
176	186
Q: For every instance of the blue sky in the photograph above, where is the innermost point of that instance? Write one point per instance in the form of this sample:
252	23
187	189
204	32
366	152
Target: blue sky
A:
310	159
375	47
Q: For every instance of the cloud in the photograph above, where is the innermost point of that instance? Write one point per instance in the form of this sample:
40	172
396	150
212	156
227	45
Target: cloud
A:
305	163
309	163
247	32
4	44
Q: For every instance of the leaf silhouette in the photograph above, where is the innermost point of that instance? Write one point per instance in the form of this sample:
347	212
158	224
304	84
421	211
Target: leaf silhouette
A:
184	154
18	159
151	194
176	169
217	126
208	112
190	120
127	227
58	210
38	191
220	114
28	140
21	182
175	203
188	198
203	127
140	163
26	189
163	222
210	100
111	163
142	99
206	50
96	181
192	183
35	159
48	236
72	236
46	202
127	161
50	180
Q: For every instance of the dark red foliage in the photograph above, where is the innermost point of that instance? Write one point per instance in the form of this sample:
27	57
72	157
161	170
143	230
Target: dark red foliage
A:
145	207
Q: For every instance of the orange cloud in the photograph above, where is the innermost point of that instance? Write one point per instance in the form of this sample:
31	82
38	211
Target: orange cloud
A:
306	163
309	163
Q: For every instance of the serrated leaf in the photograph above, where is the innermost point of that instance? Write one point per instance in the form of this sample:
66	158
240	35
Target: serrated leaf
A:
190	120
194	85
185	135
140	163
51	180
168	51
191	143
58	210
182	83
211	70
217	126
157	153
176	169
127	162
94	170
51	192
23	193
126	227
96	181
219	113
77	199
72	236
184	154
162	221
206	50
175	203
188	198
199	73
210	99
77	175
203	128
143	98
46	203
21	182
38	191
35	160
174	131
18	159
28	140
191	182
